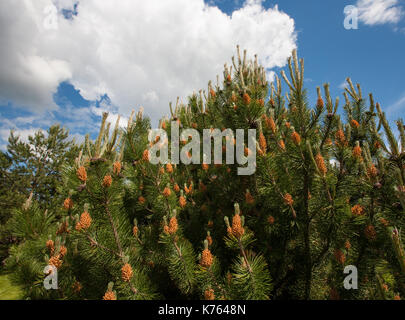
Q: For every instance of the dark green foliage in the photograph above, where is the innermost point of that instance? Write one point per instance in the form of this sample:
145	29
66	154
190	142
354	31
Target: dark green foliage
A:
326	193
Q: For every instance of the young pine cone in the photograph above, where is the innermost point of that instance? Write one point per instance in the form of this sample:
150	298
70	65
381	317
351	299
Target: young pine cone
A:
109	295
206	258
126	272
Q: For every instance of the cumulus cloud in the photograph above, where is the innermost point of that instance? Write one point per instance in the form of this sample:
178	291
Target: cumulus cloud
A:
373	12
139	53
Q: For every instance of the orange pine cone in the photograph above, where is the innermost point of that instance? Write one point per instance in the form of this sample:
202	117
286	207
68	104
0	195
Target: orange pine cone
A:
107	181
212	93
51	246
82	174
340	137
339	256
77	287
166	229
78	226
260	102
237	229
288	125
356	152
348	245
262	142
270	220
117	167
62	251
246	98
68	204
55	261
319	103
296	138
370	233
85	220
141	200
205	166
354	124
146	155
126	272
176	188
320	163
167	192
249	198
206	258
182	202
209	294
135	231
357	210
109	295
173	225
271	124
169	168
188	190
228	78
384	222
281	144
288	200
372	171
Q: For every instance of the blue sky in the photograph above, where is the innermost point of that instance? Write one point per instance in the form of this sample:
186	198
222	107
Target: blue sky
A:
71	76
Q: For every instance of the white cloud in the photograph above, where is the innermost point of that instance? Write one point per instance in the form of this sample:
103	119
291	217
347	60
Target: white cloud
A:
373	12
393	109
138	52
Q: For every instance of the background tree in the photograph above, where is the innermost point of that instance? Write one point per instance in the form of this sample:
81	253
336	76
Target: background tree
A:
33	166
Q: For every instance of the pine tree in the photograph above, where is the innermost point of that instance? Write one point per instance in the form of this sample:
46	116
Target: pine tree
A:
32	167
328	191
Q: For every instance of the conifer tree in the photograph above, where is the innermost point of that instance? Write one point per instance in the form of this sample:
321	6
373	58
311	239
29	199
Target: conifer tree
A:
327	192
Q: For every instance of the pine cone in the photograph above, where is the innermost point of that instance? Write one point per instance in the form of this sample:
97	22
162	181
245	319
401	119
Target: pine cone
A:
357	210
68	204
117	167
167	192
169	168
126	272
55	261
182	202
109	295
249	198
209	294
82	174
85	220
320	163
237	229
340	256
173	226
107	181
370	233
206	258
141	200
